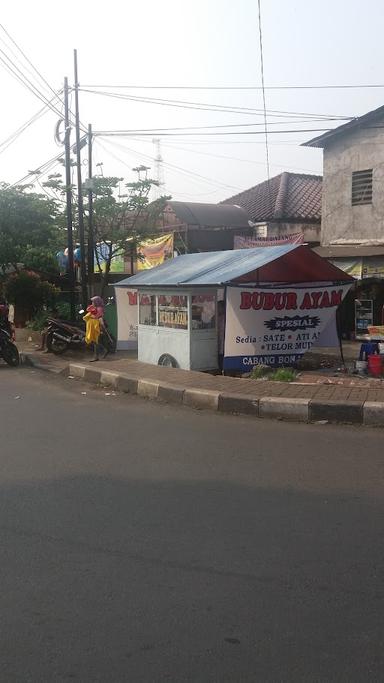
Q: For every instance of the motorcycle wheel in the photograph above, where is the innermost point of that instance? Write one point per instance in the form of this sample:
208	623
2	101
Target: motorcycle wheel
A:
56	346
11	355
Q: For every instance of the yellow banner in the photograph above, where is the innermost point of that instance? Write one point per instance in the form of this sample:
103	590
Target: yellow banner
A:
153	252
352	266
373	267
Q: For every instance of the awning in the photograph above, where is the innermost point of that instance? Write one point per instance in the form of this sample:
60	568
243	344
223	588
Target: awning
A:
281	264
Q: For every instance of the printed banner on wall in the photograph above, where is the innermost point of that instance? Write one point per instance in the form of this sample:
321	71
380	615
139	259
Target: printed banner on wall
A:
276	326
352	266
153	252
126	303
373	267
240	242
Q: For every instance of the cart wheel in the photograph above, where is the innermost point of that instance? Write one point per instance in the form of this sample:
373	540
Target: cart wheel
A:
167	360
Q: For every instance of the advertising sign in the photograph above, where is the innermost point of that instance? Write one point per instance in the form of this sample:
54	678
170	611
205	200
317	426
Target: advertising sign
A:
240	242
153	252
352	266
276	326
373	267
126	303
173	312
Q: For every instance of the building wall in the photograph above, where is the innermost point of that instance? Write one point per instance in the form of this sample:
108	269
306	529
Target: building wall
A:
343	223
311	231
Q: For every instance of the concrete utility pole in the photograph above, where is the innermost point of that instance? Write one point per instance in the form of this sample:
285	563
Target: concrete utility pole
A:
68	193
84	289
91	257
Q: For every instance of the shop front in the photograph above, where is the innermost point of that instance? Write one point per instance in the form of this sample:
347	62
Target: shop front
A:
364	303
278	301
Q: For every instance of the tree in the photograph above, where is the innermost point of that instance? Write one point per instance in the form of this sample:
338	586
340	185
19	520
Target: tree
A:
27	222
119	220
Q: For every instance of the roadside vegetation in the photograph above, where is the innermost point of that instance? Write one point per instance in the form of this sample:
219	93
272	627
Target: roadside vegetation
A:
279	375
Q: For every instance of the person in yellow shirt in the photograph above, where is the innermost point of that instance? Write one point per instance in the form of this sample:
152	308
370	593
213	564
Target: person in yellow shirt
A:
94	321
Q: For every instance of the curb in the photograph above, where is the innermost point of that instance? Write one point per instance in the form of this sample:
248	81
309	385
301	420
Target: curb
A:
366	413
293	409
28	360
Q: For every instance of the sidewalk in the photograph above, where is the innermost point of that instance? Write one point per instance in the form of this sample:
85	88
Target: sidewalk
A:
348	400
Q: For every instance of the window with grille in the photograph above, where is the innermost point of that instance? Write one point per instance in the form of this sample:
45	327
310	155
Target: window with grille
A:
362	187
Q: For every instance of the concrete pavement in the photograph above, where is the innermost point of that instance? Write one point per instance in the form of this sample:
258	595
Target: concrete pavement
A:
152	543
298	401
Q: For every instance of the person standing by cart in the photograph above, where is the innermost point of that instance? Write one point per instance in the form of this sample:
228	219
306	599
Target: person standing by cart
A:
94	319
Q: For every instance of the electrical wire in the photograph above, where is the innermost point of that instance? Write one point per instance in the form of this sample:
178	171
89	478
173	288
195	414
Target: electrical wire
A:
204	106
44	168
172	166
235	87
264	101
165	132
28	60
17	73
189	128
223	156
17	133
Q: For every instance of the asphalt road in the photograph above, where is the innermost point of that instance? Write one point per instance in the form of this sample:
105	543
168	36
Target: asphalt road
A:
141	542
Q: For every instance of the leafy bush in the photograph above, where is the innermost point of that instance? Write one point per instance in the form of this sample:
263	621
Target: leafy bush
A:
29	293
260	371
283	375
39	321
63	310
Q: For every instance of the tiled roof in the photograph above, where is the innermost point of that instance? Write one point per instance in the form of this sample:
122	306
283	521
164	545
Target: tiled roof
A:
286	197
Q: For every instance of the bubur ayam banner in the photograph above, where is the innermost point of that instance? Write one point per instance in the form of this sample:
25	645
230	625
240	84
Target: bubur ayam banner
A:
276	326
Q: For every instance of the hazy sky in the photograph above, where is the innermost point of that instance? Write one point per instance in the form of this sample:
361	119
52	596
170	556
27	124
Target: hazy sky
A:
200	43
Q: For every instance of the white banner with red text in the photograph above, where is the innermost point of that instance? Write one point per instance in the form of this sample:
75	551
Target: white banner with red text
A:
276	326
126	305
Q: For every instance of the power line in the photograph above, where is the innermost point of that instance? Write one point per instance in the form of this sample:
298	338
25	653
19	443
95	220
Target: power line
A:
171	166
27	59
14	136
224	156
236	87
17	73
40	170
164	132
264	99
171	145
205	106
140	131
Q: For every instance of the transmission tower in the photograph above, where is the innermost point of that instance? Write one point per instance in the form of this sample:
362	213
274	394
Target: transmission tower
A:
159	169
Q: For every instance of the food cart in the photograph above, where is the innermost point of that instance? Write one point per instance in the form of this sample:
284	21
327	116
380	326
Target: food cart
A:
177	327
177	303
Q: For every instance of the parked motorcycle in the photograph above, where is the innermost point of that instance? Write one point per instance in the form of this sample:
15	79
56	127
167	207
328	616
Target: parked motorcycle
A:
8	349
63	335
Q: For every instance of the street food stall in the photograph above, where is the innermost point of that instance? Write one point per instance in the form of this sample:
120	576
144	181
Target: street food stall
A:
277	300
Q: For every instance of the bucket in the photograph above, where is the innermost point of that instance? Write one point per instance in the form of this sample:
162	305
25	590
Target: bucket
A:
361	366
375	365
